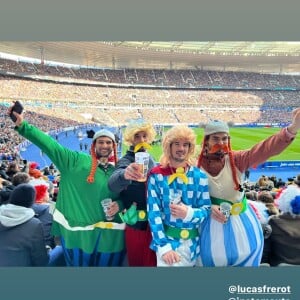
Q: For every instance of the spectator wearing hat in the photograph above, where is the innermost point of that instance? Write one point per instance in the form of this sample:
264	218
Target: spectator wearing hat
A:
41	208
34	171
221	243
138	135
21	234
283	245
87	238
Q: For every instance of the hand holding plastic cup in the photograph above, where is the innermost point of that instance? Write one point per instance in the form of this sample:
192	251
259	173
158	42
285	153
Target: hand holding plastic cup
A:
106	203
175	198
142	159
225	209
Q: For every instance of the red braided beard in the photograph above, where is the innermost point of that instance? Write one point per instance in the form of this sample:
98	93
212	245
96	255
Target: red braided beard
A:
221	149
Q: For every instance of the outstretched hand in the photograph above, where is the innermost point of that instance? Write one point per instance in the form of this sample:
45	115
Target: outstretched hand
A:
19	117
295	126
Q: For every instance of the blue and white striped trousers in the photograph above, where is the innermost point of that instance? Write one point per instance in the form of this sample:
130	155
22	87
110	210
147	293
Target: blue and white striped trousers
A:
239	242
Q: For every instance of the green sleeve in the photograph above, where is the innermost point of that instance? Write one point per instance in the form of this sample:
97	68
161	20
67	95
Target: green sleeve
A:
62	157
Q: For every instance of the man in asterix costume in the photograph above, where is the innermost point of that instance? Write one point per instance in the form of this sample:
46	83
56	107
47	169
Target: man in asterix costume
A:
138	135
178	200
78	219
237	241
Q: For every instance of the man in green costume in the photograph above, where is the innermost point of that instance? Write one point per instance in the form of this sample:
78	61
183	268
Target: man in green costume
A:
88	239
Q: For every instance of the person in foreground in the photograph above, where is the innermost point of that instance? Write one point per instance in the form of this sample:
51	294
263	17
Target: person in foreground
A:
237	241
283	245
178	200
87	238
126	180
21	234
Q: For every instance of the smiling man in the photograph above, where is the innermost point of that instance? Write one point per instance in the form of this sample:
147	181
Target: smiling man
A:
88	239
178	200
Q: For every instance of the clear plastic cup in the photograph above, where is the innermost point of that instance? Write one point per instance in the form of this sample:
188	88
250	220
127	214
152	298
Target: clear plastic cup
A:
106	203
225	208
142	159
175	197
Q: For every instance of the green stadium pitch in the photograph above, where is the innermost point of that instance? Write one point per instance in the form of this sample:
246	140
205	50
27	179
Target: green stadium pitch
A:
244	138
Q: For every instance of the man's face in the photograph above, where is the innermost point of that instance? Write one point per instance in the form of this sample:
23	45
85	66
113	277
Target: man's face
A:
217	143
140	137
179	150
104	146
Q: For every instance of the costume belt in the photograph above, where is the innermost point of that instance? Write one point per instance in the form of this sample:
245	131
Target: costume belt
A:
181	233
59	218
236	208
132	215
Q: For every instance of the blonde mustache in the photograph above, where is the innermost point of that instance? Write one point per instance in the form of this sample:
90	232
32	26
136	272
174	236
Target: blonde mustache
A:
141	145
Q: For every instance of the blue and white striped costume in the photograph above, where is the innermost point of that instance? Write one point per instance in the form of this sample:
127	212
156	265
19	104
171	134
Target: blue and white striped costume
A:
238	242
194	194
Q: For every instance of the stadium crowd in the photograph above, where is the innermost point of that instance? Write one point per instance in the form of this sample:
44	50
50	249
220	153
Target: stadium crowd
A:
179	78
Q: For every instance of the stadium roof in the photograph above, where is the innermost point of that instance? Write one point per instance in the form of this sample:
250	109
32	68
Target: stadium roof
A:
267	57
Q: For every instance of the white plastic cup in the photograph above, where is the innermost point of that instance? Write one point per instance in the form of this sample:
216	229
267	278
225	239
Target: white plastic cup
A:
225	209
106	203
175	198
142	159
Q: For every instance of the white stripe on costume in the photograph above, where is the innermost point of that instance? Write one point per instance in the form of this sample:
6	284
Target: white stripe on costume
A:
243	241
240	235
59	218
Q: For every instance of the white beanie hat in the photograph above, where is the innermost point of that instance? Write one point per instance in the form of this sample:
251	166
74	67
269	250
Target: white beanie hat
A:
104	132
216	126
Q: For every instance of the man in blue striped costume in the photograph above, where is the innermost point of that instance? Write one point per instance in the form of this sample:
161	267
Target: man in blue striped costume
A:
178	200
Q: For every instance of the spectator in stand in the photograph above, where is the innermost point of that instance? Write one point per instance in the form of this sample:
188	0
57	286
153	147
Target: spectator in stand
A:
224	169
267	198
21	234
41	207
88	239
247	175
283	245
3	174
18	178
138	135
12	169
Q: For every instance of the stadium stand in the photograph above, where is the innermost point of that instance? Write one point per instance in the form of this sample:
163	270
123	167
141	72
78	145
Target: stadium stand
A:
59	97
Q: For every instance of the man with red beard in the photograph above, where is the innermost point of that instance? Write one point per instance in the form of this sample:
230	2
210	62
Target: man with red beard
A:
238	240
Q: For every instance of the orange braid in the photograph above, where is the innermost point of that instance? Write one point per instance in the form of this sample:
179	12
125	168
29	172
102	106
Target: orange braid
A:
202	152
90	178
115	153
200	158
233	168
